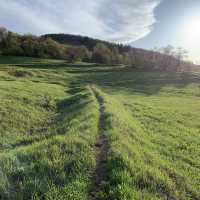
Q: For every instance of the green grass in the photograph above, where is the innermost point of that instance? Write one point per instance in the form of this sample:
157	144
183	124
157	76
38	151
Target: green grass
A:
49	126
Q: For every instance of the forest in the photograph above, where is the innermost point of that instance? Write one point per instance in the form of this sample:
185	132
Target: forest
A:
84	49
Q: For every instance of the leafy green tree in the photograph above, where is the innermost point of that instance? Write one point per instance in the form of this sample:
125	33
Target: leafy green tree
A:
52	49
29	45
11	44
3	33
77	53
102	54
116	56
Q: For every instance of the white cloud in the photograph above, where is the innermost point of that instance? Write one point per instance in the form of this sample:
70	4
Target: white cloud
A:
114	20
18	14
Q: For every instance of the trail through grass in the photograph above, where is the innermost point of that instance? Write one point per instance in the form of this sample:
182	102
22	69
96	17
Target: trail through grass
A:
99	177
86	131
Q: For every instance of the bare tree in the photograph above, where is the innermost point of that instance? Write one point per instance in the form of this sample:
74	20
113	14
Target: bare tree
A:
169	50
172	58
181	54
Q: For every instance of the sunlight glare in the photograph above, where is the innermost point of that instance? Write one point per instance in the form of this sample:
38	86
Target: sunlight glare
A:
192	31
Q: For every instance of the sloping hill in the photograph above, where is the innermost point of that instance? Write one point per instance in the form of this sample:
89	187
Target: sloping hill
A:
78	40
63	125
78	48
125	54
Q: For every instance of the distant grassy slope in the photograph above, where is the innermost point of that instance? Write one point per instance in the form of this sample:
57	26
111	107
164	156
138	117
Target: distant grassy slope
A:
49	125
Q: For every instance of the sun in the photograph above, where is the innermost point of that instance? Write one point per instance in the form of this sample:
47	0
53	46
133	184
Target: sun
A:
192	30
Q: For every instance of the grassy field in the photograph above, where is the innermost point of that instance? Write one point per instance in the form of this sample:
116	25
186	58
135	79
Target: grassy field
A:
52	117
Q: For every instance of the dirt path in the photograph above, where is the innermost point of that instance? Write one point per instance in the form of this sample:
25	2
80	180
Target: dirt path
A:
101	148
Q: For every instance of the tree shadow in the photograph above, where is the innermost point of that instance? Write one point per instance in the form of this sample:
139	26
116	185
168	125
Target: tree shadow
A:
145	82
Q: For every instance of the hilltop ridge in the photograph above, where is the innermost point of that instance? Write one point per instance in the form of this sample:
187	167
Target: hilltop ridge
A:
74	48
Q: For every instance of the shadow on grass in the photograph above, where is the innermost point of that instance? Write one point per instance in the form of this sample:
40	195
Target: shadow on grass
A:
67	110
9	60
75	68
147	83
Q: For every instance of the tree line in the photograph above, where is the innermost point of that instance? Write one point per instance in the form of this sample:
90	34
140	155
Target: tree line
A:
77	48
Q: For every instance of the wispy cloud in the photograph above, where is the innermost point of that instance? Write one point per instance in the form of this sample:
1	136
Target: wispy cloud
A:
118	21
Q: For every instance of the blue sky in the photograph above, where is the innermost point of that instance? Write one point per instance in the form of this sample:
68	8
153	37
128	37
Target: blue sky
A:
175	25
142	23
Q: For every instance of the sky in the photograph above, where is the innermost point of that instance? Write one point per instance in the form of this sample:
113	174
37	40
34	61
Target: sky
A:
178	24
141	23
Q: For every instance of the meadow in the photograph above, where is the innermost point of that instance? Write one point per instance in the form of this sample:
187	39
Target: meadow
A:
63	125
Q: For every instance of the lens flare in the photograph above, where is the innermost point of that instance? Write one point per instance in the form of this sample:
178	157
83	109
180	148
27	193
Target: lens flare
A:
192	31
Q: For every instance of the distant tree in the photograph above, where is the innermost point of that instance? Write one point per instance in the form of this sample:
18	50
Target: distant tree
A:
172	58
28	45
115	56
53	49
126	59
133	58
75	53
101	54
166	57
168	50
3	33
85	54
78	48
181	54
11	44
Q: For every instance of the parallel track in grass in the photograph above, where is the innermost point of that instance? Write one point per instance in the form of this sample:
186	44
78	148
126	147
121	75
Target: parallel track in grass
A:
87	132
99	176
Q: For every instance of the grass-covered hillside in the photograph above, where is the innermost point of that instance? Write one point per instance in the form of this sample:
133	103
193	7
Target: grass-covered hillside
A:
85	132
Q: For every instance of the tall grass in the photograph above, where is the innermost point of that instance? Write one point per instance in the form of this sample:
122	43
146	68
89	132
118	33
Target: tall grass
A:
149	156
49	126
